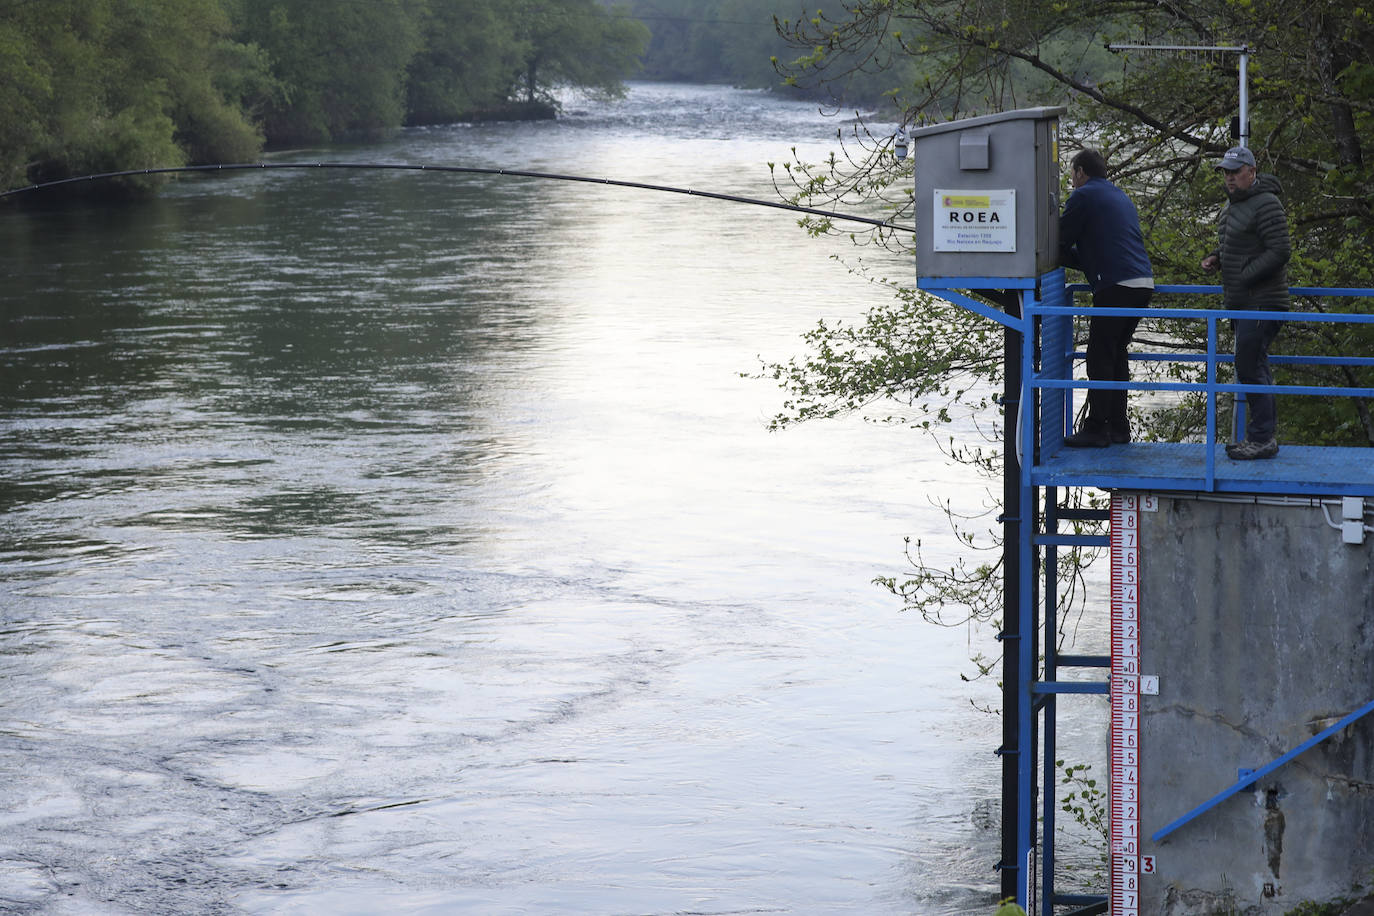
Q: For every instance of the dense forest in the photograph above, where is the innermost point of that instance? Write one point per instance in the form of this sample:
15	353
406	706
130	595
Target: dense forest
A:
98	85
752	44
717	41
103	85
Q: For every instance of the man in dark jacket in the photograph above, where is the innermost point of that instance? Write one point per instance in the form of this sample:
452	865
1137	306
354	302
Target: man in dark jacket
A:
1099	234
1253	256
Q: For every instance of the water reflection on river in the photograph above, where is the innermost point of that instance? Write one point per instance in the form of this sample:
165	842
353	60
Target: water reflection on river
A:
408	543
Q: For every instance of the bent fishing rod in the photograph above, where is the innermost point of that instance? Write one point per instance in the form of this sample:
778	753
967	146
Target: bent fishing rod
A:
461	169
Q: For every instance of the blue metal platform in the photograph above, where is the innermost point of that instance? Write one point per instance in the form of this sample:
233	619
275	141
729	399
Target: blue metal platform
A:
1199	467
1043	376
1299	470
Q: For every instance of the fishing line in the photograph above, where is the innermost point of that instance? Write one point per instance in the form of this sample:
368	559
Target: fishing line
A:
466	170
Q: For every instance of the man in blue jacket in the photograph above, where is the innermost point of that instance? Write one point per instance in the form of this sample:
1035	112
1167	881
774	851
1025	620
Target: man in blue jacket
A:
1099	234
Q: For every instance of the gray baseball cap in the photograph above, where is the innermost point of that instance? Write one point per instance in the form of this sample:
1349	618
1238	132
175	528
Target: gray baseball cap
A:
1235	157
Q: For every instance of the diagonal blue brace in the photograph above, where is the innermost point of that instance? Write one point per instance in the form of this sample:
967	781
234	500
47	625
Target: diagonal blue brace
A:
949	294
1250	777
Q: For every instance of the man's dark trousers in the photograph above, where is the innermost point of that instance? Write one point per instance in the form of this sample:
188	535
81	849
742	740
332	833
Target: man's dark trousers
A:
1109	338
1253	337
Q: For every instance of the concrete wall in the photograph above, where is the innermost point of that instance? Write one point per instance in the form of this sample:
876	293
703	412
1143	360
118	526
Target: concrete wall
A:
1259	622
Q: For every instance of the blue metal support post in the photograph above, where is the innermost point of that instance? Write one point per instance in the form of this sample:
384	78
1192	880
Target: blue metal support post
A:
1022	425
1015	754
1039	353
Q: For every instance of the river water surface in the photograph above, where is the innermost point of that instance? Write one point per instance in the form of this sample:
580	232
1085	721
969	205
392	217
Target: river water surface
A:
411	543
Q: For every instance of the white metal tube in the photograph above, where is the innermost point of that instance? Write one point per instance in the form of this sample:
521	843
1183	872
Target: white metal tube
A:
1244	97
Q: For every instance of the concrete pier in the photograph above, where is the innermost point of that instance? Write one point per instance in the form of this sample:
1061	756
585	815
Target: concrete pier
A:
1259	622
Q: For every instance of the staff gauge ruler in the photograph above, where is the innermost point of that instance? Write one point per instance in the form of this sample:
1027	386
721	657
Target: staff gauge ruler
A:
1127	864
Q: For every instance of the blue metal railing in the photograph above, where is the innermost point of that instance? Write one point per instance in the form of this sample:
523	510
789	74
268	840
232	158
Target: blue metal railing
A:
1054	384
1039	314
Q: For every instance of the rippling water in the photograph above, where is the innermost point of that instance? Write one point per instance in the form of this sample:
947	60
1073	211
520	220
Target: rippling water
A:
395	542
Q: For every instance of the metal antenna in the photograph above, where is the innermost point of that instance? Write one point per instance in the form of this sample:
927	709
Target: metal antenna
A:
1243	51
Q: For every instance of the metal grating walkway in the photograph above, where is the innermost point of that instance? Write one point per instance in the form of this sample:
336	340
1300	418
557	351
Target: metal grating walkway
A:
1297	470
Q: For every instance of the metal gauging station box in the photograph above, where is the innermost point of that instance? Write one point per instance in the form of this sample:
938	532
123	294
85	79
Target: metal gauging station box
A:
987	195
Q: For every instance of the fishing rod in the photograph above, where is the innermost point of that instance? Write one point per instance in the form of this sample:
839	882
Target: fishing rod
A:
462	169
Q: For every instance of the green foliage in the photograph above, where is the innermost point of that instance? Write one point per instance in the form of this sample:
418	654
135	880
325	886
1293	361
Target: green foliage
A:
27	75
343	67
714	41
1162	121
1085	801
576	43
933	357
469	52
92	85
109	85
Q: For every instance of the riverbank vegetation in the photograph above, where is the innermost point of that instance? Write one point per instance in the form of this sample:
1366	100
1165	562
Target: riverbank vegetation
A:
1163	119
741	43
101	85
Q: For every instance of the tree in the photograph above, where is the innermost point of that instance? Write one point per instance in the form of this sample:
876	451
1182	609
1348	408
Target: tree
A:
97	85
342	66
575	43
1162	120
27	73
469	52
712	40
90	86
676	50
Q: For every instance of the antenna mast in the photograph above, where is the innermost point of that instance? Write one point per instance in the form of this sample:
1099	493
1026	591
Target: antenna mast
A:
1243	51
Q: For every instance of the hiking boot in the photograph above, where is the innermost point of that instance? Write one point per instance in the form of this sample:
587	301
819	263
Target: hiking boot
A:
1245	450
1088	437
1121	435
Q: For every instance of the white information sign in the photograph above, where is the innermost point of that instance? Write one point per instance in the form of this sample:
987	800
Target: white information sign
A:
975	220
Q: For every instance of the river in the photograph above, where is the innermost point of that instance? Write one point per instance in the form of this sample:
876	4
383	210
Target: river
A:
412	543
